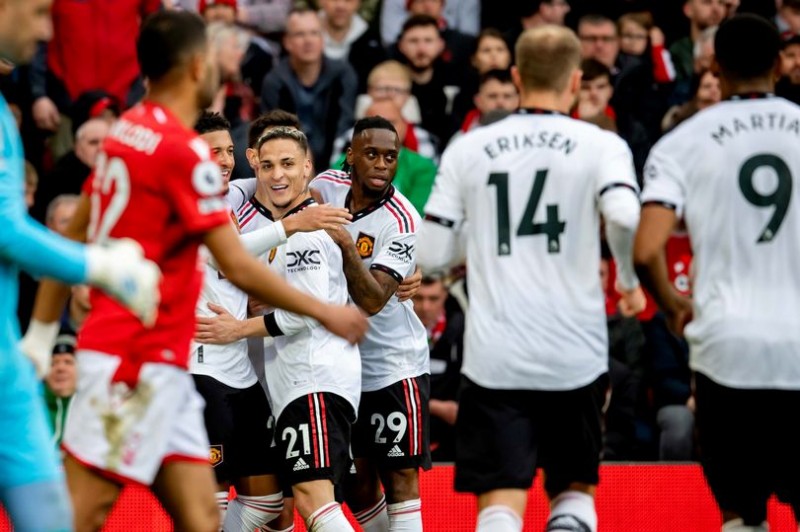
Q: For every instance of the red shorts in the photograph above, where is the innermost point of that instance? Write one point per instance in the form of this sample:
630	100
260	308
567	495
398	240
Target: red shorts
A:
128	434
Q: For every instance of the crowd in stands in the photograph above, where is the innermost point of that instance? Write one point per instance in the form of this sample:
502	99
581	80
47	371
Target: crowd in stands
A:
436	69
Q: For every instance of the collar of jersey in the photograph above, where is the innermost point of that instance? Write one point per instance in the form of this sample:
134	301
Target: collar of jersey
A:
538	111
299	207
750	96
372	208
261	208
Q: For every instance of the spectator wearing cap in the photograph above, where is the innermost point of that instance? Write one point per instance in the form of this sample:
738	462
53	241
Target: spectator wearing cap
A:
319	90
788	85
59	384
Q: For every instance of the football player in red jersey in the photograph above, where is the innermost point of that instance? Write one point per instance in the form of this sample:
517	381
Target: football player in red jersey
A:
136	416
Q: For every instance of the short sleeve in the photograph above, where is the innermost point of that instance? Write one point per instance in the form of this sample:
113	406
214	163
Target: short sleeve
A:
240	191
397	257
446	202
664	180
195	188
615	168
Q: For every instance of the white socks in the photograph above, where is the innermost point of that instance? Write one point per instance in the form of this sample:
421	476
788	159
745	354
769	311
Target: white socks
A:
737	525
572	510
405	516
328	518
375	518
222	504
498	518
248	512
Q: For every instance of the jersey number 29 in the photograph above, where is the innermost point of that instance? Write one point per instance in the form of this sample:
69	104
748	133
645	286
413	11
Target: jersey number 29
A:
552	226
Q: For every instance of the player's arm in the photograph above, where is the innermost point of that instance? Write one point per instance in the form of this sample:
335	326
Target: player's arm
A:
438	243
251	276
656	226
663	198
224	328
444	211
369	288
311	219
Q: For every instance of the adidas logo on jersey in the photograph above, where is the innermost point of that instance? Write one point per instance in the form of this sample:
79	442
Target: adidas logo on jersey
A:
395	451
300	465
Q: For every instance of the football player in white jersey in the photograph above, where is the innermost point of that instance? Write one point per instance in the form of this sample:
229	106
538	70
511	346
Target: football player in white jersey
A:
729	173
314	379
390	438
237	412
532	187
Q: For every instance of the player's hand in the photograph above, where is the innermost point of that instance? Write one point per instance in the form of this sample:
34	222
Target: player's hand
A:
345	321
444	410
410	285
316	217
340	236
678	313
256	307
45	114
118	267
219	330
37	345
631	302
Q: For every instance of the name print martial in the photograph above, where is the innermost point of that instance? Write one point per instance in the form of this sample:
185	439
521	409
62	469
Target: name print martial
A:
755	122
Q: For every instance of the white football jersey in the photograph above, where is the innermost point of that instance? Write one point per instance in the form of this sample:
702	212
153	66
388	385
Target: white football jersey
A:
229	364
529	187
396	344
729	171
307	358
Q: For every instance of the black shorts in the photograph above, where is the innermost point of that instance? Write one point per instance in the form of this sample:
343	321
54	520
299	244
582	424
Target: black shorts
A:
313	438
747	447
239	429
393	425
502	436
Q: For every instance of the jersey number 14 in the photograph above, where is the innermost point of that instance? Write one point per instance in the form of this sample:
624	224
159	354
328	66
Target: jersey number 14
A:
552	226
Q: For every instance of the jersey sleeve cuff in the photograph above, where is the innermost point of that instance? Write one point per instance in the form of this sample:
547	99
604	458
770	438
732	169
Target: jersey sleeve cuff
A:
272	325
444	222
661	203
385	269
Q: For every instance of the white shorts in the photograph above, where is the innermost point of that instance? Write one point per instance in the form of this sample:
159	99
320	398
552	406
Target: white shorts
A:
127	435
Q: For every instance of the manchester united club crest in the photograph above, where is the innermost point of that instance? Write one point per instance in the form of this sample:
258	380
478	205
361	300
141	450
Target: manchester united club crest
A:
365	244
215	455
272	253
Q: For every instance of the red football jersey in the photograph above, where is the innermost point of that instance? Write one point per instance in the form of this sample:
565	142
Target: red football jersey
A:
679	263
154	182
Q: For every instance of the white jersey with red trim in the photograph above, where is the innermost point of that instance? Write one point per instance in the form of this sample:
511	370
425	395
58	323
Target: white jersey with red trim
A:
305	357
396	345
729	172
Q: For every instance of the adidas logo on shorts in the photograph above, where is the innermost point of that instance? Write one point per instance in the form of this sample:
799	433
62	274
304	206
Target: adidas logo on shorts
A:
300	465
395	452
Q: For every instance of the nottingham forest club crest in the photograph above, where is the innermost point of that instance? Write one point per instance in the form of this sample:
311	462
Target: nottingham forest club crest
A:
215	455
365	244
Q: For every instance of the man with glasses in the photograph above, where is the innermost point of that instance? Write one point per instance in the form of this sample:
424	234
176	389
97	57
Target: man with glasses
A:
319	90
